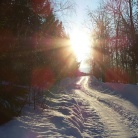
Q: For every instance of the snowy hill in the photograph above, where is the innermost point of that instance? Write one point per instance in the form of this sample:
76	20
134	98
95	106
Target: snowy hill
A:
80	108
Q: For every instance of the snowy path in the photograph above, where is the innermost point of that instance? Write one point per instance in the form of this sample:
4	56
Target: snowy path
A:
77	110
119	117
111	121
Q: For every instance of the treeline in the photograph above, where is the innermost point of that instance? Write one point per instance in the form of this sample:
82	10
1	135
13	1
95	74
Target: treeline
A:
115	41
34	51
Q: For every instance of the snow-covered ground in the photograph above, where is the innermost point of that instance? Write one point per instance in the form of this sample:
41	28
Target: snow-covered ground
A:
80	108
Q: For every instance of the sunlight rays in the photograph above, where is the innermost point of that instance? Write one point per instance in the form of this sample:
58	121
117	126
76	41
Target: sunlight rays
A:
80	43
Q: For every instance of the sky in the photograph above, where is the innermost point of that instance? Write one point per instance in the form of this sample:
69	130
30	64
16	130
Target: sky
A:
77	17
79	20
81	9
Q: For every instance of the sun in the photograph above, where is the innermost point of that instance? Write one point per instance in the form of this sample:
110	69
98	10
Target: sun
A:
80	42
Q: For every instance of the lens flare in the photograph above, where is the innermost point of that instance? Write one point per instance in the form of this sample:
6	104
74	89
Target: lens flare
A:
80	43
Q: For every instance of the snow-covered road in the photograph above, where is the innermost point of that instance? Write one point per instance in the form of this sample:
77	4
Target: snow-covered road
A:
78	108
112	111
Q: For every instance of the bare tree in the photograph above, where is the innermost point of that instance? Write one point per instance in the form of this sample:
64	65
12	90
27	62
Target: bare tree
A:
101	34
115	27
127	11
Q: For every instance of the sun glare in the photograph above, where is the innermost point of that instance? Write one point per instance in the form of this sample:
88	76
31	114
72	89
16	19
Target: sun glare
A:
80	43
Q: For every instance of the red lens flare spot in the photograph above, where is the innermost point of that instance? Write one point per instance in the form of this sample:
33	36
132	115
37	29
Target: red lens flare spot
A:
116	75
42	77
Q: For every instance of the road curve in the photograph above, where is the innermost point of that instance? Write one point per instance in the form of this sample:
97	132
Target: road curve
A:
112	112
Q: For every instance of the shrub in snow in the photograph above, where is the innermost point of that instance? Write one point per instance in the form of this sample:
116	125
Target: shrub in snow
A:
12	100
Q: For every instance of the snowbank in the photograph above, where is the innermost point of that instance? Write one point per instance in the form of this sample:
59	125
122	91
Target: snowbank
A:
70	116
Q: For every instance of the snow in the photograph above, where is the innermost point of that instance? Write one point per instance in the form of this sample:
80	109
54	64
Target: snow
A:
80	107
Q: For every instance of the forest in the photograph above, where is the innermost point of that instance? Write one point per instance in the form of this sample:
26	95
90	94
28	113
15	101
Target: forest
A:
115	41
34	51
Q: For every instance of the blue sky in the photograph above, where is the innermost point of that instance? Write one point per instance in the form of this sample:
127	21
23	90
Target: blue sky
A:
82	6
79	16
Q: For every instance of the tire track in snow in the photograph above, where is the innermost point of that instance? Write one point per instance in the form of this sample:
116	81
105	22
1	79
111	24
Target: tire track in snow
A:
130	118
111	120
93	125
127	111
119	120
